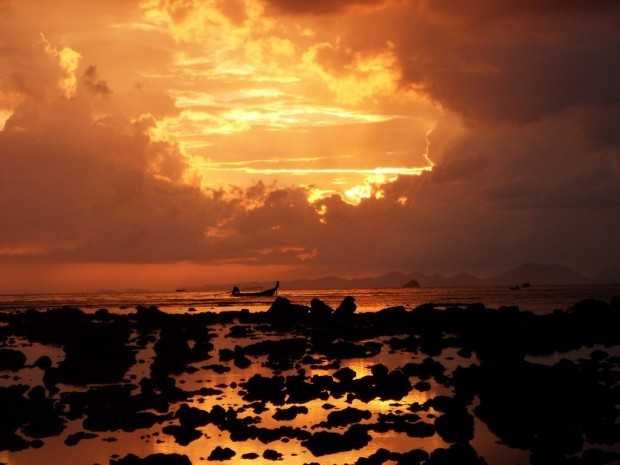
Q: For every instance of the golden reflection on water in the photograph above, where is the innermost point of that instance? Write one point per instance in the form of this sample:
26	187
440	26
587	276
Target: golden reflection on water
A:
148	441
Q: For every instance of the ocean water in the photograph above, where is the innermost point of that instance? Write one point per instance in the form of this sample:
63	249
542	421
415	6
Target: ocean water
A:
538	299
109	444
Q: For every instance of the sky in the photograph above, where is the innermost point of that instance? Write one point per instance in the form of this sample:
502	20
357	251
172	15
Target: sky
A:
158	143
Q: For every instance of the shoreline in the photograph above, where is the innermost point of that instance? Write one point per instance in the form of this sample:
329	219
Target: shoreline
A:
103	373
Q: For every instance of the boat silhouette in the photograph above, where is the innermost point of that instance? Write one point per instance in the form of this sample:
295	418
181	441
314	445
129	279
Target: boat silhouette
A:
253	292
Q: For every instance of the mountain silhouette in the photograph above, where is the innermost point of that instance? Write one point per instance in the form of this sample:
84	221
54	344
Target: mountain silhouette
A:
534	273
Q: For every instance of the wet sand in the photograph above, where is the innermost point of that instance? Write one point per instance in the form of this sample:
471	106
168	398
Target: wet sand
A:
311	384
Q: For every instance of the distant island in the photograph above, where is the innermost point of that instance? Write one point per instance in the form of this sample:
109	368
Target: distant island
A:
533	273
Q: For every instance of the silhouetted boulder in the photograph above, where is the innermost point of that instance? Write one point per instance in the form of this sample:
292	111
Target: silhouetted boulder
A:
98	354
456	425
75	438
192	417
463	454
183	435
411	284
43	362
289	413
378	458
345	374
11	359
346	417
346	309
271	454
283	313
413	457
265	389
395	385
326	442
172	353
221	453
320	311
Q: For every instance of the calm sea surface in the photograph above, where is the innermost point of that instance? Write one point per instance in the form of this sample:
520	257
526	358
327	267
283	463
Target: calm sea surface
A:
538	299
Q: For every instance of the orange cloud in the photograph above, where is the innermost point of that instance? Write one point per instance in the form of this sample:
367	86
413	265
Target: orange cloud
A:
165	136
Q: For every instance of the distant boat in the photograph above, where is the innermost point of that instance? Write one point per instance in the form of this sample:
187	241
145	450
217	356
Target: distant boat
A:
180	289
253	292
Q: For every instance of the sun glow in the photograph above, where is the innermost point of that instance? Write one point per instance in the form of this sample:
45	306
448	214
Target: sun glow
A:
68	59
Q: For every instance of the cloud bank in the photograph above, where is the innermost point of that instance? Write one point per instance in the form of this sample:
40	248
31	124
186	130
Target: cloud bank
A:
207	140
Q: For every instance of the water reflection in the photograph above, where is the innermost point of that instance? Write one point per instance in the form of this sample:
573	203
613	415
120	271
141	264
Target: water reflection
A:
387	384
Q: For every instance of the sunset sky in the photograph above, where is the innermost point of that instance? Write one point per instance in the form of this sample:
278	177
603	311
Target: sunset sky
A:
162	142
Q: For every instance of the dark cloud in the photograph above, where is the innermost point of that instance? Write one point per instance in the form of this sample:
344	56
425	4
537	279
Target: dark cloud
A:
514	78
486	10
93	83
87	189
459	169
527	155
319	7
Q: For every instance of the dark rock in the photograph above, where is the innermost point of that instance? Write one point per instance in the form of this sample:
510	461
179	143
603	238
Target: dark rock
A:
289	413
346	417
13	443
283	313
75	438
43	425
281	349
219	369
326	442
97	354
265	389
413	457
320	311
192	417
221	454
121	420
456	425
409	424
346	309
545	409
463	454
241	361
395	385
172	352
599	457
299	391
379	370
11	360
345	375
43	362
346	350
271	454
183	435
422	386
599	355
250	456
378	458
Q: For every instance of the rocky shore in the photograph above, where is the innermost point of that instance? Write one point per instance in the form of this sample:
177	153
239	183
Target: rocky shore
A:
125	373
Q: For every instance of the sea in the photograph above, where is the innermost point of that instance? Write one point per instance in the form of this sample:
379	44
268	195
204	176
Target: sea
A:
102	446
537	299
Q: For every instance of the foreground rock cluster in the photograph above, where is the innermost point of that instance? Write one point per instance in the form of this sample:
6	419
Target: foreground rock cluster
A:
561	413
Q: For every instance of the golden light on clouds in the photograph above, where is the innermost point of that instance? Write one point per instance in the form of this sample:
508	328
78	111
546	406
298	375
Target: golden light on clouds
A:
247	78
253	133
69	60
354	77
